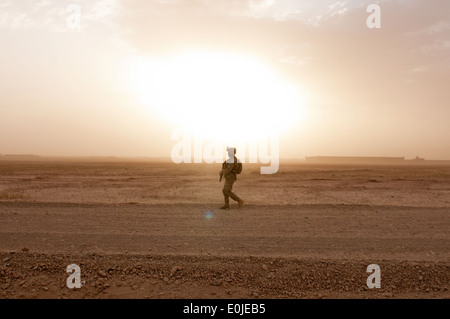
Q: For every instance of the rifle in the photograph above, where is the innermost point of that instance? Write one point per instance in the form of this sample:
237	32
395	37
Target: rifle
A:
224	164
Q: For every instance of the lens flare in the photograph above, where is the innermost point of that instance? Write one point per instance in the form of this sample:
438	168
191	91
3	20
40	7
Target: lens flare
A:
209	215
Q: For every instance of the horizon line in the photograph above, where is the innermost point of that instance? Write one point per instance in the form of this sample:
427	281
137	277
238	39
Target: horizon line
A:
309	159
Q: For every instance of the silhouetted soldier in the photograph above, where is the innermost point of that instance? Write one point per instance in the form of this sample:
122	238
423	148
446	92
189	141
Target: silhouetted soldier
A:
230	168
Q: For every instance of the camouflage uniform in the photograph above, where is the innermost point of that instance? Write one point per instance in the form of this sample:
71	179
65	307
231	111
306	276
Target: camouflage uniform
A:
230	178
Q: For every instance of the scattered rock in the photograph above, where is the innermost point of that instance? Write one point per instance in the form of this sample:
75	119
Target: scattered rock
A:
265	267
101	273
175	269
25	249
215	282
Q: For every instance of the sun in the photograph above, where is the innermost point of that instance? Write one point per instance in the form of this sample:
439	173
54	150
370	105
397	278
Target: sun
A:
217	96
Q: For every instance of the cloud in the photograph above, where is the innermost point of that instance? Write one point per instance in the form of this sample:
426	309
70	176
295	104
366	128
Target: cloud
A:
331	54
340	44
156	27
322	45
52	15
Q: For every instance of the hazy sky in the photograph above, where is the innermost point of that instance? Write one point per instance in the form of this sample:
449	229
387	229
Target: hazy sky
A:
111	86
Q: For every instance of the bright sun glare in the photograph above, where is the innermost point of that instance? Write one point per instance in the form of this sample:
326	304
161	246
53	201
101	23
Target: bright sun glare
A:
216	95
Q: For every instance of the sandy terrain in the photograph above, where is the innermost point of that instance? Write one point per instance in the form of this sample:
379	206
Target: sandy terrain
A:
153	230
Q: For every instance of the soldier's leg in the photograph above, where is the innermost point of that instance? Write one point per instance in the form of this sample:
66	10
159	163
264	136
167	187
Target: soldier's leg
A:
225	193
228	190
226	196
234	196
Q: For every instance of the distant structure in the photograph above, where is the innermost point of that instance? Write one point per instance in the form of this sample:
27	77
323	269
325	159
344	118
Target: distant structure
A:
354	160
419	159
13	157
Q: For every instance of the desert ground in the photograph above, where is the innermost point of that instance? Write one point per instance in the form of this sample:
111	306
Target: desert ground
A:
148	229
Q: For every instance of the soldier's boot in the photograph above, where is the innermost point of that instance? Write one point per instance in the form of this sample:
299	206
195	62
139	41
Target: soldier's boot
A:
240	203
225	206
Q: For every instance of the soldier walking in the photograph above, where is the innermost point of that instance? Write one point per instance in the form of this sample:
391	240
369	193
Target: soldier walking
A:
230	168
